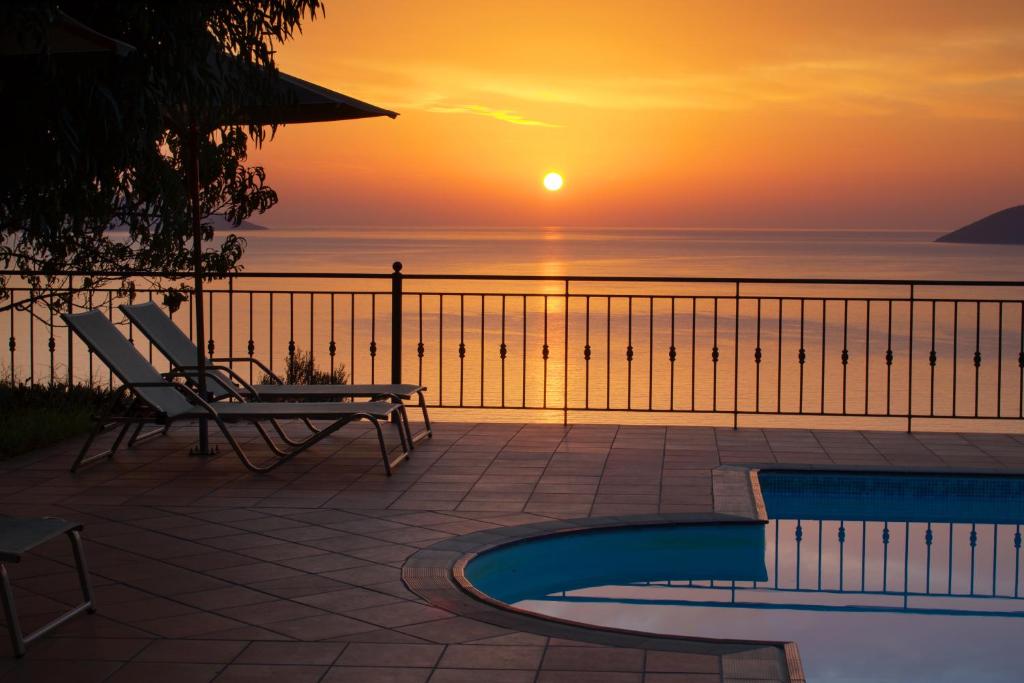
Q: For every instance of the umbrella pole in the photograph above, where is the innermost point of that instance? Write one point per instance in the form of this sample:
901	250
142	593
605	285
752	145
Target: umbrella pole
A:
192	168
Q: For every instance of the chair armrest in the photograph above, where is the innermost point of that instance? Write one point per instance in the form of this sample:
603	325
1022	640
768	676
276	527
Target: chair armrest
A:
184	370
245	359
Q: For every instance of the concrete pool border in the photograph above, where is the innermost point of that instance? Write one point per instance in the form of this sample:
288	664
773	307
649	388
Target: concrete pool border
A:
437	573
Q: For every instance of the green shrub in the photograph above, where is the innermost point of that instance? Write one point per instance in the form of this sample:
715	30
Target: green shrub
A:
299	369
35	416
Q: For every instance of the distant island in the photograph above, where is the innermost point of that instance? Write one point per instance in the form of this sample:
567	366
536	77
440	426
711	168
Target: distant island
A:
1002	227
220	223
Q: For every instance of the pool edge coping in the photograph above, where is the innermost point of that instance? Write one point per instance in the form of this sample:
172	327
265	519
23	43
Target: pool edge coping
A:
437	573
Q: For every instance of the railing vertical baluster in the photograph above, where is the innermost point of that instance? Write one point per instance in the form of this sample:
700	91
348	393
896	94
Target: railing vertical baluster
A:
778	362
110	316
845	356
565	360
396	322
483	314
332	346
672	358
440	349
629	355
420	349
210	343
608	353
251	345
231	320
586	358
12	344
462	350
757	361
51	344
932	360
92	378
888	365
956	343
867	357
824	345
32	342
999	363
693	354
1020	365
502	350
650	354
736	363
71	345
352	336
544	352
291	334
524	352
910	363
714	360
801	357
312	336
977	354
270	330
373	338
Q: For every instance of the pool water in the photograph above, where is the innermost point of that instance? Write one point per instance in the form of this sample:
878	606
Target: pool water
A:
874	577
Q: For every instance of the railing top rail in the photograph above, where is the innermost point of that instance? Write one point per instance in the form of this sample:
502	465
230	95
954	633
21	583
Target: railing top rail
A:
541	278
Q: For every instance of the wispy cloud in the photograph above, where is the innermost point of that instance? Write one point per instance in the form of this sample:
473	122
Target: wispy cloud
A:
499	114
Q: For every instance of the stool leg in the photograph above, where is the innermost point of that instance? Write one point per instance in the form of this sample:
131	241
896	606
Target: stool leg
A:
17	640
83	570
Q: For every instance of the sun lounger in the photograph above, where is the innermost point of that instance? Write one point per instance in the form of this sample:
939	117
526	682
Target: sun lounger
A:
173	343
157	399
22	535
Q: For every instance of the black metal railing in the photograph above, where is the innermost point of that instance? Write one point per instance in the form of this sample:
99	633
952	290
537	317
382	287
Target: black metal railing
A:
888	350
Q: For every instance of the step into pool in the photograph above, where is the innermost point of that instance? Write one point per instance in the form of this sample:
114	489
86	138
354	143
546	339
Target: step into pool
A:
875	577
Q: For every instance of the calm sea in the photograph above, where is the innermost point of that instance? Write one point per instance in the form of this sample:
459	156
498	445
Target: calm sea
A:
681	252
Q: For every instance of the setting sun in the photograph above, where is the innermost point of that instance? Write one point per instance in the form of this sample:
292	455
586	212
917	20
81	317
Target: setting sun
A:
553	182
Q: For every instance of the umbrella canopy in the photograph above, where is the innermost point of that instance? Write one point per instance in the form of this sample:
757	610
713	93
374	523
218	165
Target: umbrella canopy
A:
63	36
304	102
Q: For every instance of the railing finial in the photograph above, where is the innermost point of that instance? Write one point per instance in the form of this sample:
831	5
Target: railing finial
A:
397	265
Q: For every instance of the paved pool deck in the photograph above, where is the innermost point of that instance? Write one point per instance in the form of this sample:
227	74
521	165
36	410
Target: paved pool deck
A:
206	572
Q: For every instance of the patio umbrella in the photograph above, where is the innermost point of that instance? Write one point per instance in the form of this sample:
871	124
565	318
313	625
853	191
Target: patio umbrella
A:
292	100
64	35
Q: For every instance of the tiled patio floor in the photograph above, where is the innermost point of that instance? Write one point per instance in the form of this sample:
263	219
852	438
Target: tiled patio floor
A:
207	572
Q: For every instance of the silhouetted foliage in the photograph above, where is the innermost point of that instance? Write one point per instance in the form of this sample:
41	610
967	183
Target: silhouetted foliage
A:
299	369
91	174
33	416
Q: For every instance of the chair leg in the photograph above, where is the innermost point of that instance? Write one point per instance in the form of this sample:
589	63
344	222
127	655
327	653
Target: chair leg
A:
383	447
426	417
406	428
120	438
82	459
17	639
83	570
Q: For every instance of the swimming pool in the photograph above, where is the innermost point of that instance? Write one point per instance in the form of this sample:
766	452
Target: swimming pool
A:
875	577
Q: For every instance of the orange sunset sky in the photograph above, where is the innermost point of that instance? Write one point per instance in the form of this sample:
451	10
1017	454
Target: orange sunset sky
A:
873	114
